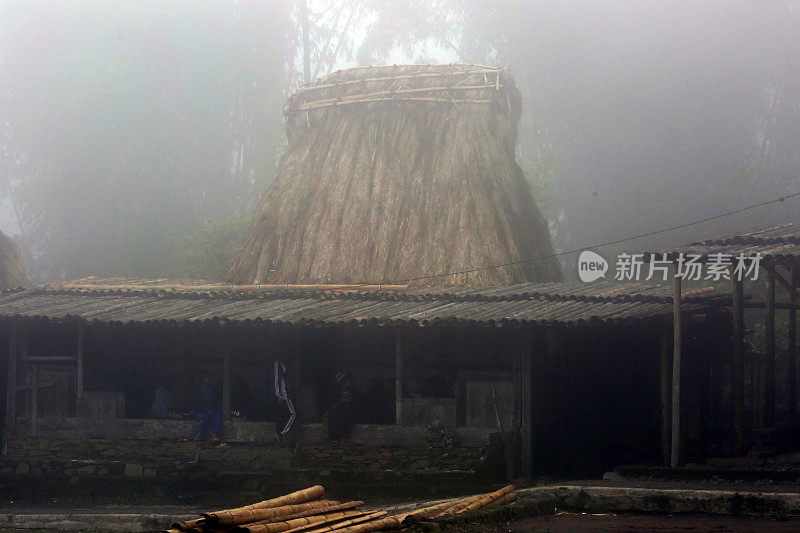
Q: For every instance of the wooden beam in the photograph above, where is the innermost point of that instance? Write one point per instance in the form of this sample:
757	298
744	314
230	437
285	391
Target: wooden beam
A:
769	351
792	348
46	359
763	305
79	362
675	445
398	379
665	354
11	390
737	375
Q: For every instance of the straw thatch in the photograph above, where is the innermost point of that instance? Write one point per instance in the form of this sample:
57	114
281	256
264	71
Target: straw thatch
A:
397	173
12	266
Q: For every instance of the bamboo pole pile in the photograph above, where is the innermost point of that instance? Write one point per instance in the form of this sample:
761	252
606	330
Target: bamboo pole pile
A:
305	511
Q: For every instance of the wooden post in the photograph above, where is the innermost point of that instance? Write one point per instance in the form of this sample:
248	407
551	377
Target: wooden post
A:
792	348
769	350
11	391
398	380
737	373
675	445
666	398
525	399
79	362
34	400
226	385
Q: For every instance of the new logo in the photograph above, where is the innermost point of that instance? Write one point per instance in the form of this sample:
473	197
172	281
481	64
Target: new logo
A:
591	266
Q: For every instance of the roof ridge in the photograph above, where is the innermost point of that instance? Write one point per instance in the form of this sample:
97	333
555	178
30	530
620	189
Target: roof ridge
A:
615	293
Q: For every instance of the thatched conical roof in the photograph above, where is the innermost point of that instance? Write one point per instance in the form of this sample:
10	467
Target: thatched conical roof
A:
12	266
396	173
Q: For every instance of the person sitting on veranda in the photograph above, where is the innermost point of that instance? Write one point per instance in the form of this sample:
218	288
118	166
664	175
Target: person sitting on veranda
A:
209	416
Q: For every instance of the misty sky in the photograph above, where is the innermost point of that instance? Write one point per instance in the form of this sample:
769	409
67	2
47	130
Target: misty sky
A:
637	116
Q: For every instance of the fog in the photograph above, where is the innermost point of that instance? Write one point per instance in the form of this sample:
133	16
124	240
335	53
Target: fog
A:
135	137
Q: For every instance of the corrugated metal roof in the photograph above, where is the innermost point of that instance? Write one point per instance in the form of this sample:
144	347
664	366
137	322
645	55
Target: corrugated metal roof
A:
779	244
529	303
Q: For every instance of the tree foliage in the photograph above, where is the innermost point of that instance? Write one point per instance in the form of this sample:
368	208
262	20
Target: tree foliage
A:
658	113
126	125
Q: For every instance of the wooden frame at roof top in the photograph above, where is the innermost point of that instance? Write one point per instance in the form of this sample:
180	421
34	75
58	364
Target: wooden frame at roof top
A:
772	267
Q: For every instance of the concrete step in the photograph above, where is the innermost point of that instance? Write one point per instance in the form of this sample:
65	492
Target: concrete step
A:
195	486
733	472
577	497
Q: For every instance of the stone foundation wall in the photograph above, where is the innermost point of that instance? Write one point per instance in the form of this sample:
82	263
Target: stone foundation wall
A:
462	458
103	457
57	456
235	431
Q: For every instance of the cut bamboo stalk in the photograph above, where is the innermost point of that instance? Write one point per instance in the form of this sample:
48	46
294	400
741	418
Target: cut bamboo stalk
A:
286	525
300	496
459	505
188	524
200	528
401	520
332	508
453	506
389	522
394	521
337	523
248	516
481	500
486	502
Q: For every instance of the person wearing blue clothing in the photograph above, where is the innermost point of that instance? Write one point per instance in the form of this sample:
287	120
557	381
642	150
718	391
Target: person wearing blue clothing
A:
210	415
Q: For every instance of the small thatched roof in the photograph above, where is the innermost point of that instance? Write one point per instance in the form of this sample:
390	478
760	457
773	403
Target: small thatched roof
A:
397	173
12	266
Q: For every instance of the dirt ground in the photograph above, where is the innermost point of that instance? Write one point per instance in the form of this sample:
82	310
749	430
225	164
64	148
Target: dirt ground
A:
596	523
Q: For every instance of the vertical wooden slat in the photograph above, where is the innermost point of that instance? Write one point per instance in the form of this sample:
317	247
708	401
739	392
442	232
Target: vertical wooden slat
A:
398	379
226	384
704	383
11	390
514	463
34	400
525	398
516	383
666	397
737	375
792	347
79	362
675	445
769	351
